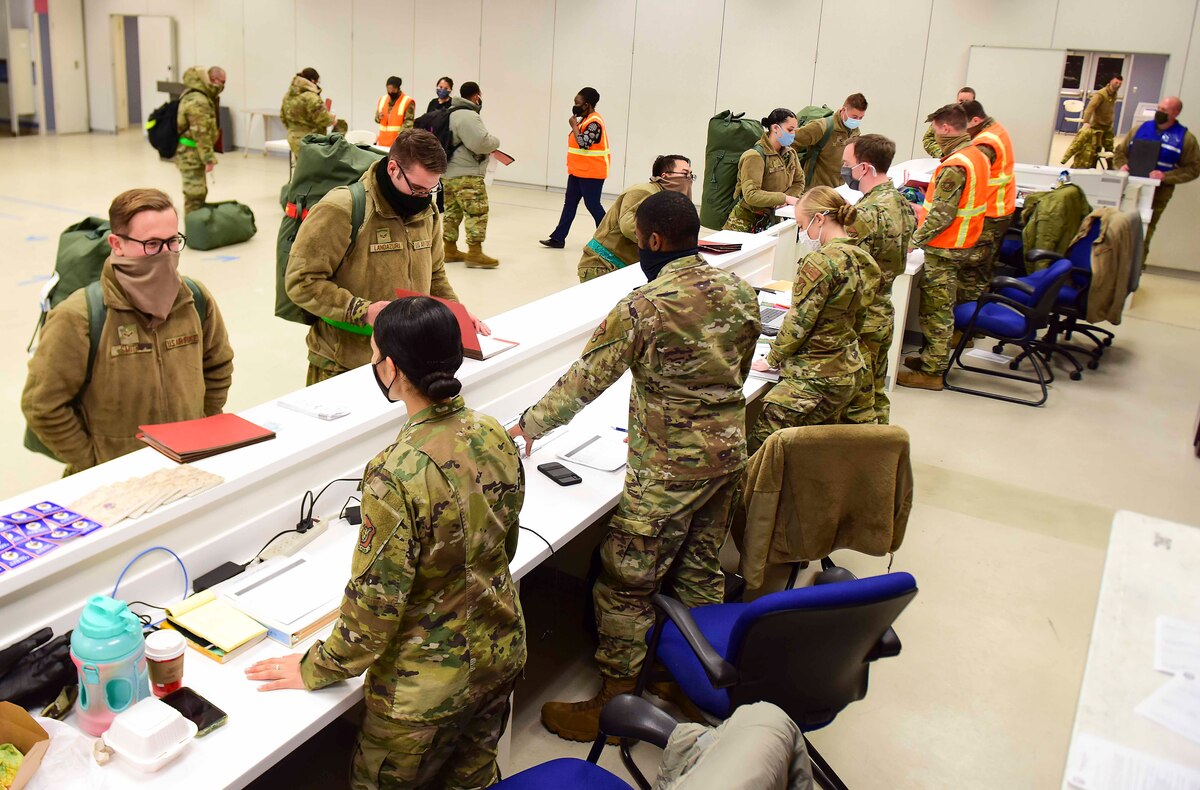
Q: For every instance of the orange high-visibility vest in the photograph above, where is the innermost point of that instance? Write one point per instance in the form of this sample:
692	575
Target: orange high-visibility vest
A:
588	162
392	122
968	222
1002	190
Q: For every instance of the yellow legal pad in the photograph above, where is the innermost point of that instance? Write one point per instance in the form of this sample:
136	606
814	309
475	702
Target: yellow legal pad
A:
212	619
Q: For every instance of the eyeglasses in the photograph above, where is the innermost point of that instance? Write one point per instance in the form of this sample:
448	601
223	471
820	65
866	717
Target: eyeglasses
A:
155	246
688	176
415	190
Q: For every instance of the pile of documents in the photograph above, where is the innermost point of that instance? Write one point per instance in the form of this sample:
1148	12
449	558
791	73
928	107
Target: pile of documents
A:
138	496
191	440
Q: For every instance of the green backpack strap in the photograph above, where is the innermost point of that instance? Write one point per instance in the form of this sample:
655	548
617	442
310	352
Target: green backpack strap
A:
358	213
97	312
198	298
815	154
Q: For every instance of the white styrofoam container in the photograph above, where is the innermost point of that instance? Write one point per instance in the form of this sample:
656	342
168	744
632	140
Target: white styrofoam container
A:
150	734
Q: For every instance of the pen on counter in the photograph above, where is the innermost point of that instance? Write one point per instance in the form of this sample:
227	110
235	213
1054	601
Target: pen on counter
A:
622	430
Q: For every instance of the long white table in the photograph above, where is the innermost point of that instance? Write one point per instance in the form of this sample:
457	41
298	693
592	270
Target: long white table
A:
1152	568
261	493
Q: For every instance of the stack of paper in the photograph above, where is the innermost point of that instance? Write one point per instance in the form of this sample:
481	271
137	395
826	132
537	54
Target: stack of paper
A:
293	597
191	440
214	627
605	450
138	496
760	353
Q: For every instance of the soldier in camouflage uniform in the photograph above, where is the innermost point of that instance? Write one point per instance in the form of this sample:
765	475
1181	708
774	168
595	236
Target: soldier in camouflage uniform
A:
466	191
430	613
769	176
822	371
345	282
1101	110
929	141
975	273
302	111
883	227
1085	149
688	337
198	131
941	262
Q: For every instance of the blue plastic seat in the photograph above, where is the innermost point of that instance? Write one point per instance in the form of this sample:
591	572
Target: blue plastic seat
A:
565	773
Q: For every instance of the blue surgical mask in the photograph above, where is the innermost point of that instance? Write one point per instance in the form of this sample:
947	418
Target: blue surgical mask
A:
442	93
851	123
786	138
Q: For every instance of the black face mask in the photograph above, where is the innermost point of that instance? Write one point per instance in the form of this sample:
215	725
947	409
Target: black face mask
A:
1161	118
653	262
577	110
403	204
386	389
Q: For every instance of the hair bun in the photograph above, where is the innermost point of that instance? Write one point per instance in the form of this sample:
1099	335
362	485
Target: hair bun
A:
439	385
766	122
846	214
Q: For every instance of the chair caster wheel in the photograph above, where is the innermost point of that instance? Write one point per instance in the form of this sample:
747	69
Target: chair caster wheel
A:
998	348
1076	375
1014	365
1108	341
1093	365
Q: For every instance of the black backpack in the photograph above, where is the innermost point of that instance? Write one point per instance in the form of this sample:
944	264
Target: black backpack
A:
437	122
162	129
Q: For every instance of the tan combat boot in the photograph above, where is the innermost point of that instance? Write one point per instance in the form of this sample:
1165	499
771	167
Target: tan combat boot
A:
919	380
913	362
476	259
453	253
580	721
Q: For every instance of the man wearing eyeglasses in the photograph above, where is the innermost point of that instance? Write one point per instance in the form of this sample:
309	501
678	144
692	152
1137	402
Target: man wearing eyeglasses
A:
614	245
162	353
346	282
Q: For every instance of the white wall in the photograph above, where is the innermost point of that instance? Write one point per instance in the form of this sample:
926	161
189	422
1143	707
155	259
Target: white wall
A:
662	67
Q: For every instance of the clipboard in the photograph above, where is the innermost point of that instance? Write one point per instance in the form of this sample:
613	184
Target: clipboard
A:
502	157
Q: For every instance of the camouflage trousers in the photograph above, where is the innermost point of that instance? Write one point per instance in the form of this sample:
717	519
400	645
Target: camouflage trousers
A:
664	533
938	288
875	344
459	752
195	180
466	196
321	369
975	271
1162	196
745	220
825	401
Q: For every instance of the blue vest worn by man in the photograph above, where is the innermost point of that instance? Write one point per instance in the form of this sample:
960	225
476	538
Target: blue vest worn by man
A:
1171	139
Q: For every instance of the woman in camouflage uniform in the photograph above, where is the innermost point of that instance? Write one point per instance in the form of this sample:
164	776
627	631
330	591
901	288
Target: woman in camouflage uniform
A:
769	176
431	612
817	351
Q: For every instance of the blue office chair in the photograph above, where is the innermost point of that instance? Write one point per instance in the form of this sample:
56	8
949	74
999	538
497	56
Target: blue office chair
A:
1014	322
807	650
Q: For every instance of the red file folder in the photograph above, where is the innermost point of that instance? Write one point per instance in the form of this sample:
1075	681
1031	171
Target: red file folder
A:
191	440
474	346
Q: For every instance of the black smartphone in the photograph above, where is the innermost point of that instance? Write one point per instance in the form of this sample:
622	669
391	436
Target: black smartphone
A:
206	716
559	474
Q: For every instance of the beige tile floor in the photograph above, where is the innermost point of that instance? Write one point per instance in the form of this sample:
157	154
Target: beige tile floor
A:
1012	507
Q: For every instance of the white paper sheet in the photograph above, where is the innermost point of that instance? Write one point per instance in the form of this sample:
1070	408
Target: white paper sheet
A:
1176	706
1176	646
604	450
1097	764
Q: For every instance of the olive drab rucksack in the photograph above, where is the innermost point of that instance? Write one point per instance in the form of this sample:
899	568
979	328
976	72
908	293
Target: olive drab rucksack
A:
325	163
82	250
810	154
729	136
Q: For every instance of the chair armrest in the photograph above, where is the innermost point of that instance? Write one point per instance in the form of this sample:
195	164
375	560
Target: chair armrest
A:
720	672
888	646
627	716
1042	255
997	298
998	283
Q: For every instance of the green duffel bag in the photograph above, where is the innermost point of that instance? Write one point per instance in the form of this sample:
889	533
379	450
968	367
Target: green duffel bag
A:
219	225
729	136
325	163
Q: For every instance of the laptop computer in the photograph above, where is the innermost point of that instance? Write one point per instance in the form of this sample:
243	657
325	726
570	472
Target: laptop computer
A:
771	318
1143	157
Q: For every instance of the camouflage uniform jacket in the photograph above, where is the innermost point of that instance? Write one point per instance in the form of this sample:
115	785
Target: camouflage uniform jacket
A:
197	115
330	278
947	192
430	611
302	111
884	228
180	370
1100	109
688	337
764	181
819	335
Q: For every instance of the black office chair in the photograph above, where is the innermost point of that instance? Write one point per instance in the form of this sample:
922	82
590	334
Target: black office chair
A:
807	650
1013	322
